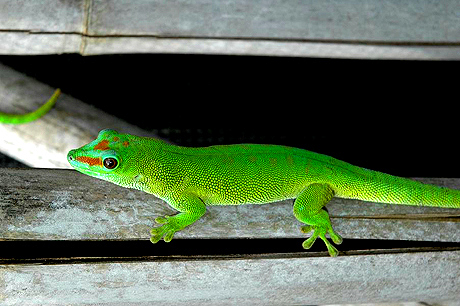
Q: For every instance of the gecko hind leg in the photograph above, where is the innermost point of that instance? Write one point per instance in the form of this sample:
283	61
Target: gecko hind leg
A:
308	209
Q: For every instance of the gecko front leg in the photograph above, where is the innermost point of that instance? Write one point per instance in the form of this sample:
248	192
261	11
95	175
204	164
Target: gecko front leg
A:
190	207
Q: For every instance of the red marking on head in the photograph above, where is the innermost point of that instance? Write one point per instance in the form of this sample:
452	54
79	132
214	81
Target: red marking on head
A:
92	161
125	143
103	145
116	138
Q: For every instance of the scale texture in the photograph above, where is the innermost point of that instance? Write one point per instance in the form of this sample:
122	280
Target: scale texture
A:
188	179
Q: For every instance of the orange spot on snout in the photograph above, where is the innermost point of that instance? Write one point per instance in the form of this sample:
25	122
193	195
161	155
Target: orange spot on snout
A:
103	145
116	138
92	161
125	143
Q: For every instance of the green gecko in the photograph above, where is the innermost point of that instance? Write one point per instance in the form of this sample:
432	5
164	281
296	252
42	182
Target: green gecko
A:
28	117
189	178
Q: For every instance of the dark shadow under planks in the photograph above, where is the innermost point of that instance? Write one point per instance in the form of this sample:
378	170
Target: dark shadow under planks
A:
44	204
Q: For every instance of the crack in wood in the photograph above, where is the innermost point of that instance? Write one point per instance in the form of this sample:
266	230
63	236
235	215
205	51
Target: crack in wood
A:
85	34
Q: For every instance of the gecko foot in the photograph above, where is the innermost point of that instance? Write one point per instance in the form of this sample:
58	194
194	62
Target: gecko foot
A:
319	231
165	231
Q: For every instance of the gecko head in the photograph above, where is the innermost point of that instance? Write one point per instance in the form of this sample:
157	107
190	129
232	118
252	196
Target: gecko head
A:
105	158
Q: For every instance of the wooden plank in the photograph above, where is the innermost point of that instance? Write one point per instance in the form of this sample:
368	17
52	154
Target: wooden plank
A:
354	21
66	205
42	27
429	277
45	142
43	16
421	29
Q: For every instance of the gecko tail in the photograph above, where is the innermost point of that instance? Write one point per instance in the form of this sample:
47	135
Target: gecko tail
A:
397	190
25	118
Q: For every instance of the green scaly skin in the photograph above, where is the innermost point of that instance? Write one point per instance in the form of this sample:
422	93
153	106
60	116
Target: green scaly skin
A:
188	179
25	118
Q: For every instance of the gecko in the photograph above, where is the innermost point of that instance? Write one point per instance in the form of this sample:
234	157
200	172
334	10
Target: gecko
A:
28	117
190	178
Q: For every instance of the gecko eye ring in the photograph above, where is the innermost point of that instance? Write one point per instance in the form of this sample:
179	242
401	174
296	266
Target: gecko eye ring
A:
110	163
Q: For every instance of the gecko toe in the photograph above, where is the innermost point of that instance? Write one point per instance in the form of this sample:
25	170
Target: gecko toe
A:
306	229
310	241
155	238
169	236
161	220
336	238
321	233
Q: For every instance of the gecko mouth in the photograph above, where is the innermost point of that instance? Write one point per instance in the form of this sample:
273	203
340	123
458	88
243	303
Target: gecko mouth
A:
80	166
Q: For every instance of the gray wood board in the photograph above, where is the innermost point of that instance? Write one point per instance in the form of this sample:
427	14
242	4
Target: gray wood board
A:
66	205
429	277
422	29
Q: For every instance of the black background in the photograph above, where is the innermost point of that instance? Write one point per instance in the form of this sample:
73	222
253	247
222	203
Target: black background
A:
398	117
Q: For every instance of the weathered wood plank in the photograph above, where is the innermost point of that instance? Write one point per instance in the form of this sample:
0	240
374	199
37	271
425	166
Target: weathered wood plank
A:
420	29
428	277
45	142
66	205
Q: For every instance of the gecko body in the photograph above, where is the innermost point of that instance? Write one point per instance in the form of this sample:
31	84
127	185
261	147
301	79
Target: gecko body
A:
188	179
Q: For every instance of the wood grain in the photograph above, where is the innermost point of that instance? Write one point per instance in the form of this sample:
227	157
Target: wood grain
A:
429	277
66	205
45	204
421	29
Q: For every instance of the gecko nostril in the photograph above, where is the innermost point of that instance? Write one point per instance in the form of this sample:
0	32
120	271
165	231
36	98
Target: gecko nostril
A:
70	155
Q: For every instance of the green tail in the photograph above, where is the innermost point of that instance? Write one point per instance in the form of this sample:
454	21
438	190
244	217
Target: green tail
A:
384	188
24	118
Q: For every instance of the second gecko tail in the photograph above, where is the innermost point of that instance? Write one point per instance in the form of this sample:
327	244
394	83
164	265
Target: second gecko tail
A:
28	117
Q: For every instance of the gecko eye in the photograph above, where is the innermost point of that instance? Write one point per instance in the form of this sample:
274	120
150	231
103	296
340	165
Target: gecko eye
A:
110	163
